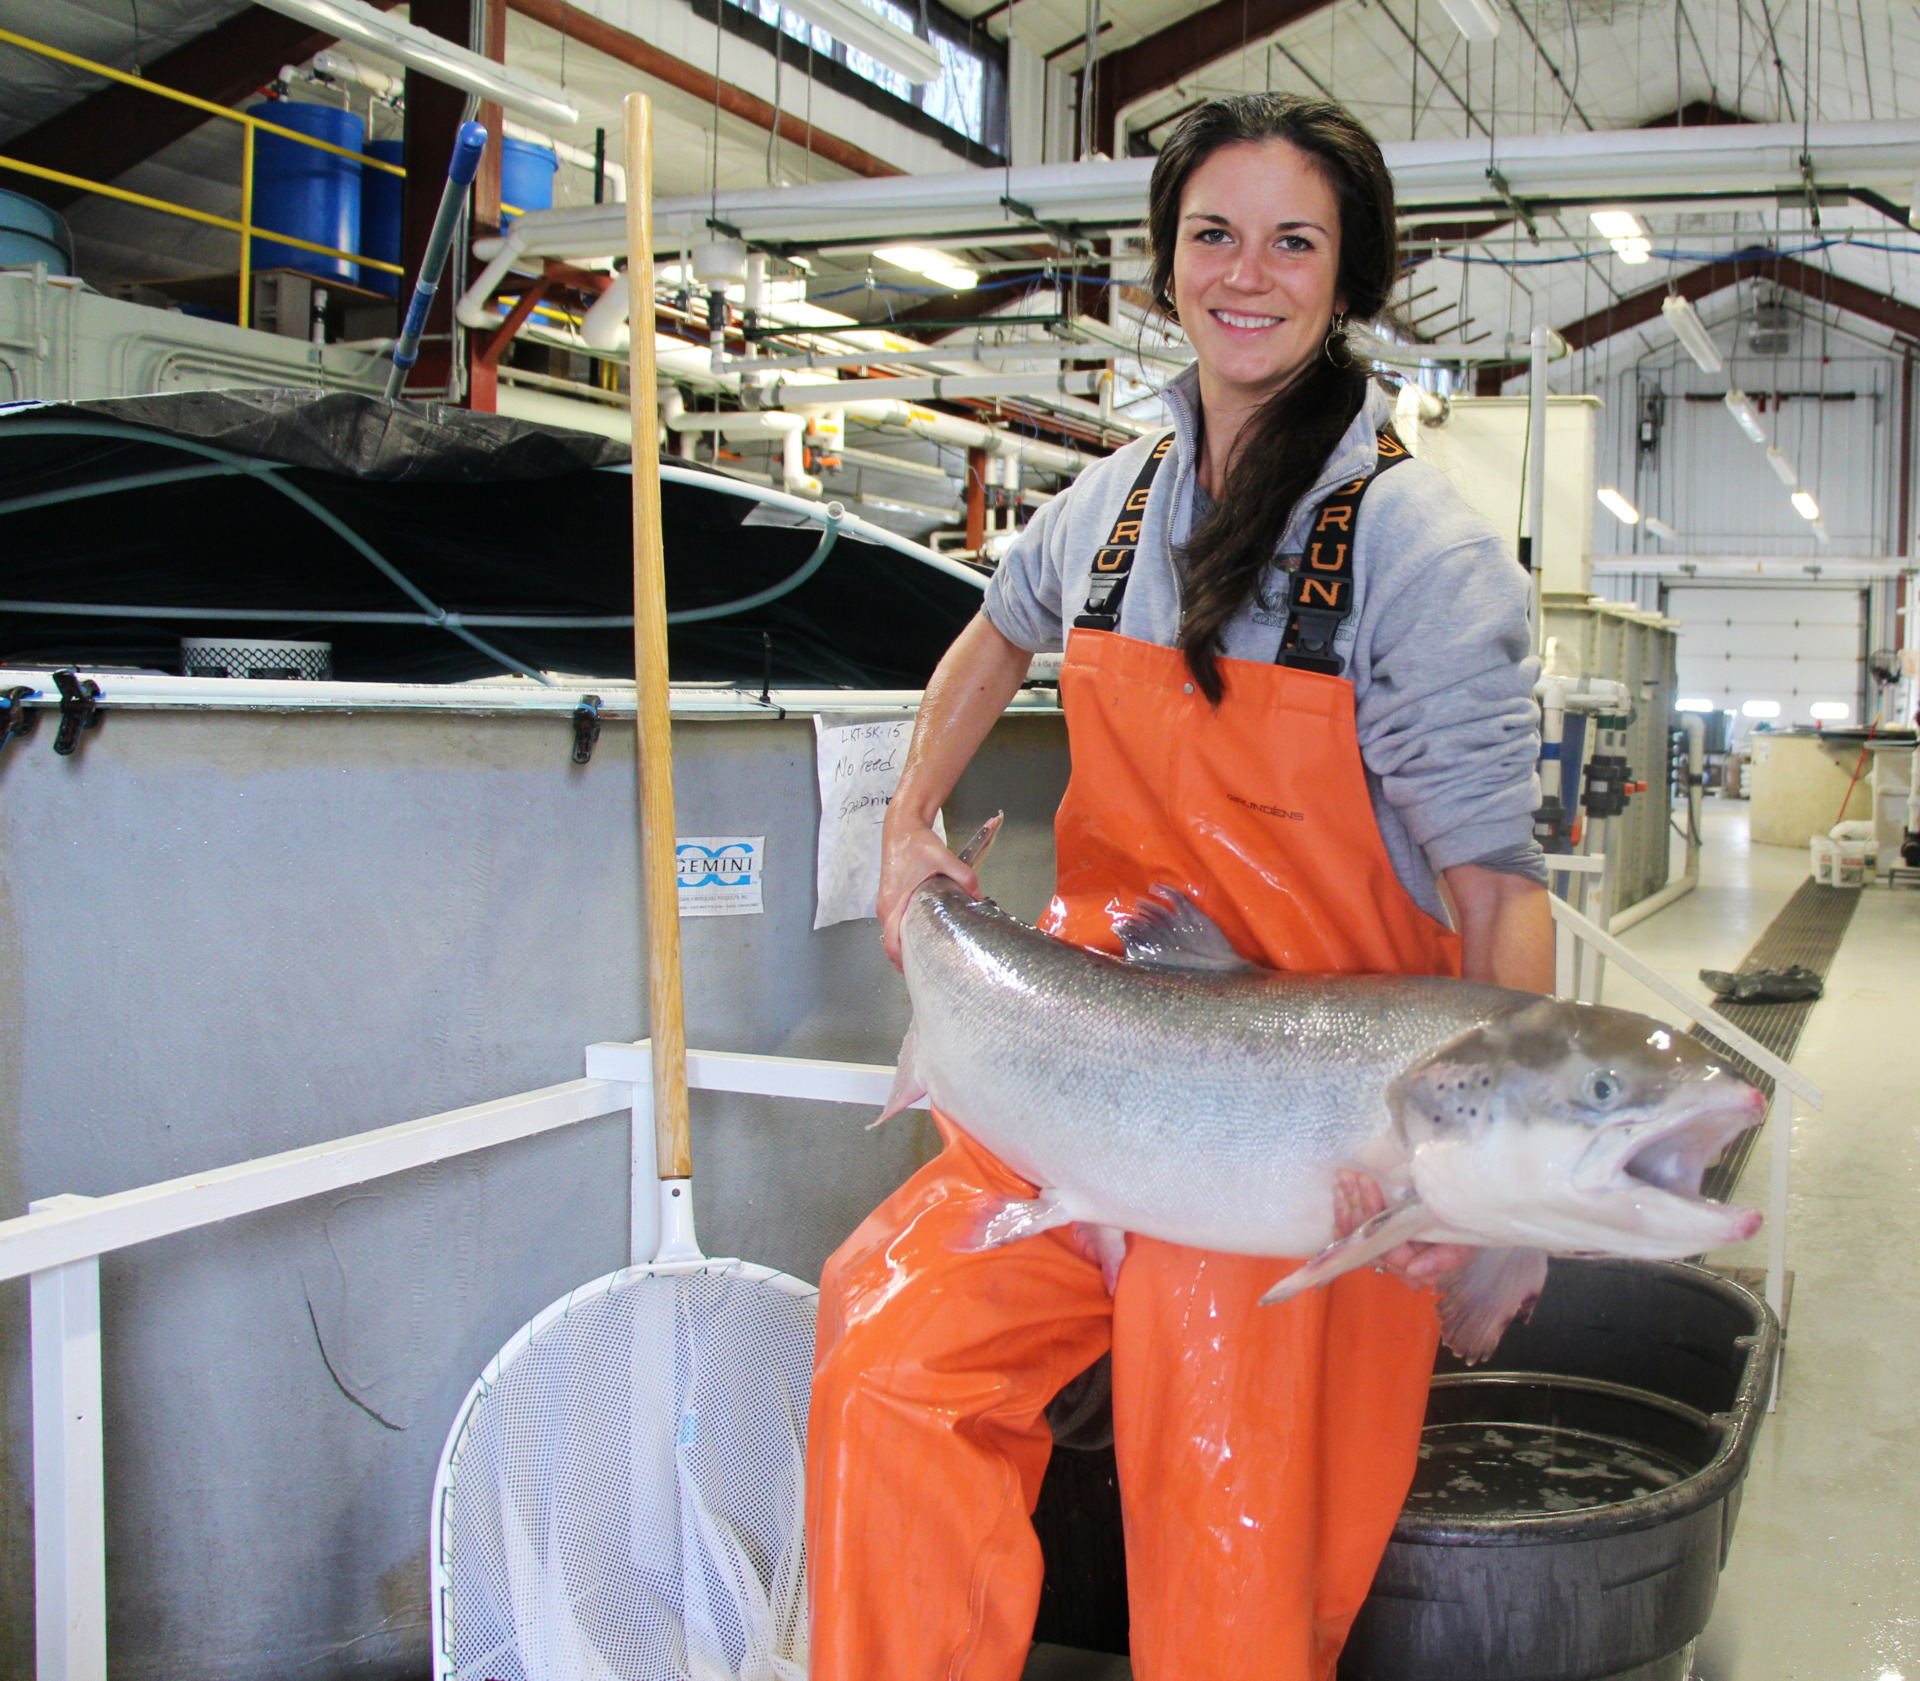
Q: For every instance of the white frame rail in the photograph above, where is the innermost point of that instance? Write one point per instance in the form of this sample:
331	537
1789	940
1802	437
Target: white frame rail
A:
1571	930
58	1245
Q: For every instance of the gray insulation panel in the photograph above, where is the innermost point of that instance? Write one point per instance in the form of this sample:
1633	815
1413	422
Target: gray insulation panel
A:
224	934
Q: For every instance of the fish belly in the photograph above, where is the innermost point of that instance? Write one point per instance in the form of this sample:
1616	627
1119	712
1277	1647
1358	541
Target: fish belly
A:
1140	1126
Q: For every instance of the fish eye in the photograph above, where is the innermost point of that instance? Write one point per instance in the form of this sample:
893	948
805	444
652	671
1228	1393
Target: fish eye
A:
1603	1089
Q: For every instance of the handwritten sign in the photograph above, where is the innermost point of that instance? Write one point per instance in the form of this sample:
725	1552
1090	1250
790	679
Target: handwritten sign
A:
720	874
859	758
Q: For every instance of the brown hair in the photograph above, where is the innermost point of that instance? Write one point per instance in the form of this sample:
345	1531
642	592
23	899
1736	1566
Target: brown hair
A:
1287	443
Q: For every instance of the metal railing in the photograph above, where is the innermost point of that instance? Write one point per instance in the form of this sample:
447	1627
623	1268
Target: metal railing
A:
57	1245
250	126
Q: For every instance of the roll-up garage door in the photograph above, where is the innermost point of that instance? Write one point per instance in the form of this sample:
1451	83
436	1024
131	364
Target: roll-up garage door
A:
1794	646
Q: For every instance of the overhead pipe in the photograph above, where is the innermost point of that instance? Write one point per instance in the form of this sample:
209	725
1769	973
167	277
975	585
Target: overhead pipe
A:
790	429
941	428
1680	164
946	387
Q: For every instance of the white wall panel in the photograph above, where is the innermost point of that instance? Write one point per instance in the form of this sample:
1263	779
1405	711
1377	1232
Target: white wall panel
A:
1796	646
1708	480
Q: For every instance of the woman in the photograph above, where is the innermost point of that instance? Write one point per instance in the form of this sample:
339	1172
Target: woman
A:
1297	684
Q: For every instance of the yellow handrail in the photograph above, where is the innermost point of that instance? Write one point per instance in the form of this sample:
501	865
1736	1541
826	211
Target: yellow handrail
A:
191	214
250	125
28	44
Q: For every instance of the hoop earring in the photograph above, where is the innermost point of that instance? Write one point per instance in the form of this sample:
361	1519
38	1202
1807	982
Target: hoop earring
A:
1338	332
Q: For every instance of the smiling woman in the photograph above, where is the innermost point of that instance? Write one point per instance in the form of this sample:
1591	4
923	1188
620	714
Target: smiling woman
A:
1271	223
1297	684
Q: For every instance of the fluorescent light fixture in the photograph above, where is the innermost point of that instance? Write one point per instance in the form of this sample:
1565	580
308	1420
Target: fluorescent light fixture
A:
1831	711
1692	332
1783	469
1694	706
935	265
1820	531
1761	708
1633	250
1475	19
1661	529
1740	406
1616	224
1618	506
881	39
433	55
1805	506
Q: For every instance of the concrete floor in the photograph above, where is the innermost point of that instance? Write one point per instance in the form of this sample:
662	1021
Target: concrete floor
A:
1824	1580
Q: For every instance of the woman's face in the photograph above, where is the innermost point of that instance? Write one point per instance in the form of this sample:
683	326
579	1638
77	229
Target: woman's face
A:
1256	264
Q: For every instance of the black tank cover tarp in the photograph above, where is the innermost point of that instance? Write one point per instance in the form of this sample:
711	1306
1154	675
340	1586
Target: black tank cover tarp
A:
483	513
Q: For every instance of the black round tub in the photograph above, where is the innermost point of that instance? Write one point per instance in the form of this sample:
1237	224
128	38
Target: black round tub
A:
1576	1495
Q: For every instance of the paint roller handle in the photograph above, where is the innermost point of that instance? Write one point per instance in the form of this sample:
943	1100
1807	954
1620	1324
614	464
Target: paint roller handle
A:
468	144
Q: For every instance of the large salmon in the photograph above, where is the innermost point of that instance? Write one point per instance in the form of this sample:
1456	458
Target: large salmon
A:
1186	1094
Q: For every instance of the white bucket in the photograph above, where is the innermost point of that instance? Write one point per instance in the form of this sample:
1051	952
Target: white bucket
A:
1822	850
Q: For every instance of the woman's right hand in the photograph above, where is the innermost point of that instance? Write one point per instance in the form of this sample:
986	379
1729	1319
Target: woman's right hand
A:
910	852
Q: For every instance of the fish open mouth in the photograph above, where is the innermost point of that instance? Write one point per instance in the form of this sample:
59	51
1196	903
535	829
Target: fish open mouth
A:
1672	1157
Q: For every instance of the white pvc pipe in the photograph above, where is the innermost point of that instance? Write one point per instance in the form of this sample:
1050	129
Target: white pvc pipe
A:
937	388
942	428
473	310
790	429
1753	158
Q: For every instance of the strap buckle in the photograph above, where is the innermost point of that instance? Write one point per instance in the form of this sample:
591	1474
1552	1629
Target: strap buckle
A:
1311	633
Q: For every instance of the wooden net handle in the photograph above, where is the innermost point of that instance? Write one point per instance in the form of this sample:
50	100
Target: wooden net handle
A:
659	867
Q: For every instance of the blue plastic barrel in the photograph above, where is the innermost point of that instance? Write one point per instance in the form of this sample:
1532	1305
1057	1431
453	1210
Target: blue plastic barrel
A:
31	233
526	175
307	193
380	198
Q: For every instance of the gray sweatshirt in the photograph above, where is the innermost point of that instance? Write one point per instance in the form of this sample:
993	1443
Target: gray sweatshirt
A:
1436	646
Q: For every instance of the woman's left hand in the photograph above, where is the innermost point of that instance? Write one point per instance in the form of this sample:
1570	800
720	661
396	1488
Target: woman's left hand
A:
1357	1197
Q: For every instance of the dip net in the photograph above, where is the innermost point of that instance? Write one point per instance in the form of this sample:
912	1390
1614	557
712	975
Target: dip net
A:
621	1498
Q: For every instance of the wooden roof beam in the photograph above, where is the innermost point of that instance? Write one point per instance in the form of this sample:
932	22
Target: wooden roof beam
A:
1638	308
1190	43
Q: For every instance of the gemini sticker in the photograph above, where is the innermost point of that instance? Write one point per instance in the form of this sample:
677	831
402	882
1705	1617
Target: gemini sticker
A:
720	874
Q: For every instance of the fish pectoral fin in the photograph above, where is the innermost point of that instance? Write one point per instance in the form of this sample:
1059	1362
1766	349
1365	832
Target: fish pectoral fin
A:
908	1086
1403	1223
1010	1220
1104	1245
1167	930
1485	1296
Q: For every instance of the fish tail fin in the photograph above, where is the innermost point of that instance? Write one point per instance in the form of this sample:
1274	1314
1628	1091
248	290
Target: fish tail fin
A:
1485	1296
908	1086
1402	1223
974	853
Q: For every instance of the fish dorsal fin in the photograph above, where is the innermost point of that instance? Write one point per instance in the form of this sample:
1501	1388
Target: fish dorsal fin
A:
1167	930
974	853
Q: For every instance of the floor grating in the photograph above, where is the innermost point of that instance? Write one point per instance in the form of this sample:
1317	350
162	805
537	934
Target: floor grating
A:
1807	931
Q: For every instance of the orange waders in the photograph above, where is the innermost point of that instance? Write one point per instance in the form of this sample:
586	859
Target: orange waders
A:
1264	1453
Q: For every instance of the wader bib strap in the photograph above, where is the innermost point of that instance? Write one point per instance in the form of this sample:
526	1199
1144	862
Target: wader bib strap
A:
1113	560
1320	592
1319	597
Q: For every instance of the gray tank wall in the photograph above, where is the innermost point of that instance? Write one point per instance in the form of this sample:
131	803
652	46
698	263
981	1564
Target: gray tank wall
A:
227	934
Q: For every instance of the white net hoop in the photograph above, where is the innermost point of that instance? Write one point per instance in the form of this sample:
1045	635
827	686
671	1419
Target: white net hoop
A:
621	1496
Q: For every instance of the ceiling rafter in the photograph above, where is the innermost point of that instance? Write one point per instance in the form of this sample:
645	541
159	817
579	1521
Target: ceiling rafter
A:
1160	60
1636	309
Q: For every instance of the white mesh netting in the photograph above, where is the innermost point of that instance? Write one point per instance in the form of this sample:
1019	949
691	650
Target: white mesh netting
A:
622	1499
